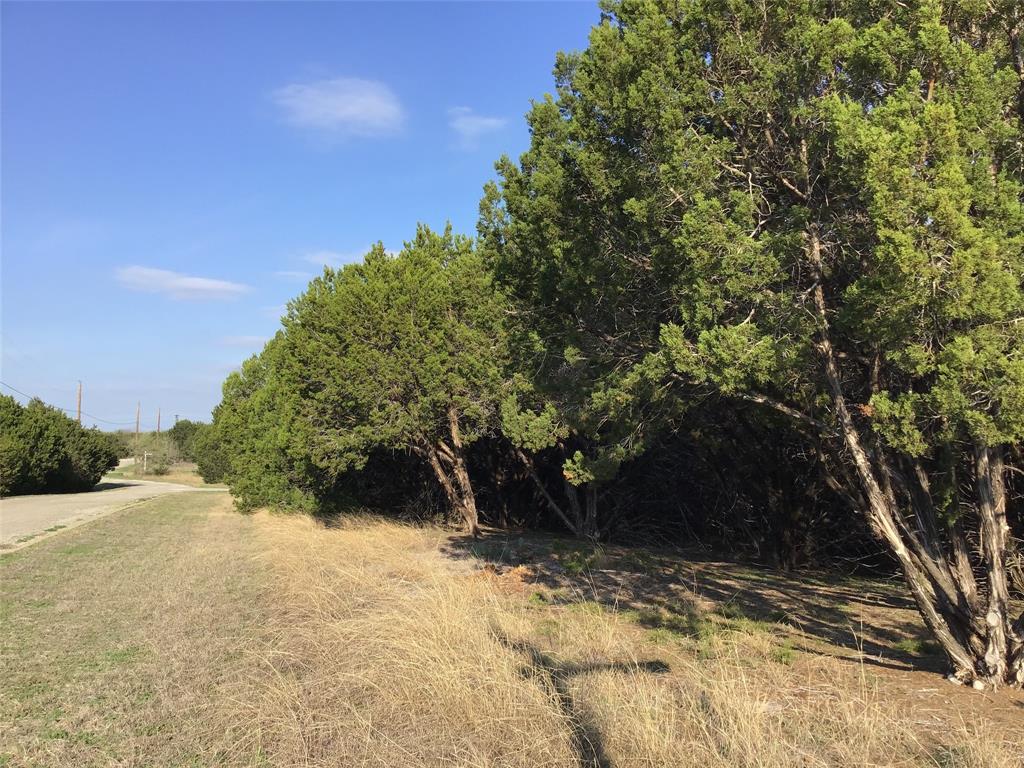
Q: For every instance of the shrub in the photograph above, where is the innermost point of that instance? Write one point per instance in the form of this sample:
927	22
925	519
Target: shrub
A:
43	451
209	453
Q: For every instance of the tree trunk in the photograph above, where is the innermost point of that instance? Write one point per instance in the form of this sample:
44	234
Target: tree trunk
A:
1003	649
944	607
448	462
572	493
552	504
441	474
962	567
590	529
458	462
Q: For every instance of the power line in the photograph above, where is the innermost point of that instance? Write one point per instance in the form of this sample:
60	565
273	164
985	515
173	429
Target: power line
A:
66	410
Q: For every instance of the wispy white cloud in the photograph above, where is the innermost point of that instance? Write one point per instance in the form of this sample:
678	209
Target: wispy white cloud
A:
325	258
346	106
247	342
293	274
177	286
469	126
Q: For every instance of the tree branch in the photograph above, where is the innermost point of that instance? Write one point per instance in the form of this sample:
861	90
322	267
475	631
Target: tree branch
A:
781	407
544	491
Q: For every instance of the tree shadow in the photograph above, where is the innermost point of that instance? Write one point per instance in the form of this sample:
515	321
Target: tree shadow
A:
108	485
862	620
553	676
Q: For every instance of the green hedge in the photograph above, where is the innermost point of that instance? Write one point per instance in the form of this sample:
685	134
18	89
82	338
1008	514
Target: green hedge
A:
43	451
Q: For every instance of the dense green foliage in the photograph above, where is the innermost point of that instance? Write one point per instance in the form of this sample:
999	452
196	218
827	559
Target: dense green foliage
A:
660	225
209	453
256	442
758	278
183	435
397	353
43	451
124	442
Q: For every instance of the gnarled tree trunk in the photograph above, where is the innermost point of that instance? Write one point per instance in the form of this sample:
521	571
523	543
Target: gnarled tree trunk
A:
981	639
449	464
1004	648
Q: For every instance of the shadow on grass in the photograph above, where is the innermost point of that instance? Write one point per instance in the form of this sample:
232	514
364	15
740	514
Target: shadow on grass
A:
553	676
853	618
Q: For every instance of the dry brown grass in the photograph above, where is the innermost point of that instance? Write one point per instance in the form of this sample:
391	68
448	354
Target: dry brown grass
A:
382	652
379	655
182	473
182	634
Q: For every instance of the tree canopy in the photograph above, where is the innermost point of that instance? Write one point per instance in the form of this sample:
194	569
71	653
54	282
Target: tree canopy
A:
403	352
816	208
741	230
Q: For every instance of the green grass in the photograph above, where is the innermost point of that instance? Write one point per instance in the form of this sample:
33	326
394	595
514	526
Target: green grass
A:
538	599
916	646
79	549
124	656
662	636
590	607
731	611
579	561
638	561
687	625
784	652
118	635
675	623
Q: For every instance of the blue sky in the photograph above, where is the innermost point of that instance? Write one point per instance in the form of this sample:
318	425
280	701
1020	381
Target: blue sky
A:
173	173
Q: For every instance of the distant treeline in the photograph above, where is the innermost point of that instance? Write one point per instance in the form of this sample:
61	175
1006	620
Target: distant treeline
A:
193	442
44	451
185	441
757	282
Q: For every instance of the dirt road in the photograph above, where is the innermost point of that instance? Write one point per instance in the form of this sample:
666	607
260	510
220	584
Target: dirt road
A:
24	518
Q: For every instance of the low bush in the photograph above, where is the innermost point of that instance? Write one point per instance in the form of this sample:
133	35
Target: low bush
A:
209	453
43	451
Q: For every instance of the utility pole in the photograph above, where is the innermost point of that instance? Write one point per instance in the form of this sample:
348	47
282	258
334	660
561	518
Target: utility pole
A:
138	412
175	419
158	421
79	403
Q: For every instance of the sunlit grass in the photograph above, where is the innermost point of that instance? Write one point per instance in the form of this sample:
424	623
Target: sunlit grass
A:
180	633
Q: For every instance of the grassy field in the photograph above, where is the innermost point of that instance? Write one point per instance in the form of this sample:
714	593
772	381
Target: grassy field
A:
182	634
183	473
119	638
